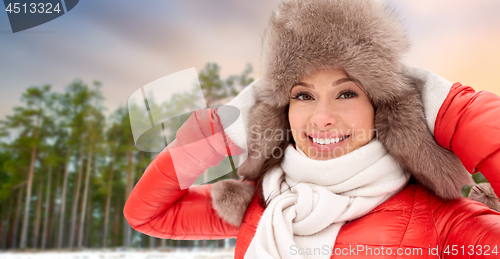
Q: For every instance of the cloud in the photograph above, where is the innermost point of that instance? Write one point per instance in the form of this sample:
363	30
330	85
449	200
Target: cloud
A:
127	44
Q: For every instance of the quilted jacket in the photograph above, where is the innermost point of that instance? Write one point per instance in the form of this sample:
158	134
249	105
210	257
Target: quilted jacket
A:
414	223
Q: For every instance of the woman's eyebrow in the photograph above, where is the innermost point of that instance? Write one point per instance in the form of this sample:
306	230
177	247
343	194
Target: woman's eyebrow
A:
341	81
304	85
335	83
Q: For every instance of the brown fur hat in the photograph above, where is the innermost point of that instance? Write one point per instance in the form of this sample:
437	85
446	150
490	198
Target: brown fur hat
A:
367	41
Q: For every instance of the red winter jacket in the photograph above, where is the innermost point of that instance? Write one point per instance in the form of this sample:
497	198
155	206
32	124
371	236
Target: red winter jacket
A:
412	224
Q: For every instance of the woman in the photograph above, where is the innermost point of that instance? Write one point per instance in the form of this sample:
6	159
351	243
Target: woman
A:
336	127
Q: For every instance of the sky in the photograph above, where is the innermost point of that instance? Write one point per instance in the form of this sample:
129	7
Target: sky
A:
126	44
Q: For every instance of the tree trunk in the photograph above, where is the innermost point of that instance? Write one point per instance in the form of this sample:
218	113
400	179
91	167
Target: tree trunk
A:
18	215
3	215
108	199
56	212
76	197
45	237
117	222
128	190
38	214
140	170
85	193
137	175
5	231
151	241
24	231
89	218
63	202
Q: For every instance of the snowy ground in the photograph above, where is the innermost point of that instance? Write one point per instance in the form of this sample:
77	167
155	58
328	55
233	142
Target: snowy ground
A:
124	254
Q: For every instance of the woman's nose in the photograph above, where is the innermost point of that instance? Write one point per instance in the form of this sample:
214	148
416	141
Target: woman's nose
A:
324	115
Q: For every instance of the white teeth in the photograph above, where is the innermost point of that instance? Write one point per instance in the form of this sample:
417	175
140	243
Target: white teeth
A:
327	141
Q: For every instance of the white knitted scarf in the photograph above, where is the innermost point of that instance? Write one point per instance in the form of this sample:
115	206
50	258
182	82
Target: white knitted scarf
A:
312	199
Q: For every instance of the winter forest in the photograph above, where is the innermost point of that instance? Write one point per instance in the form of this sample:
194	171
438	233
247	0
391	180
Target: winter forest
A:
67	166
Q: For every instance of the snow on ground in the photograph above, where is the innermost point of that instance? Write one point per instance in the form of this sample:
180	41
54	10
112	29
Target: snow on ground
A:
124	254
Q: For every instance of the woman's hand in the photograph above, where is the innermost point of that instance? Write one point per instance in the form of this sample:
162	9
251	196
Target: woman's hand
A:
463	121
200	143
433	91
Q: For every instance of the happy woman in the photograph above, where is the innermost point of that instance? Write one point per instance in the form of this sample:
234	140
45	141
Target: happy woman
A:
375	157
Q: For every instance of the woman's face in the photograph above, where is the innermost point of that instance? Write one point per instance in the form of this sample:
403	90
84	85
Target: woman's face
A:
330	115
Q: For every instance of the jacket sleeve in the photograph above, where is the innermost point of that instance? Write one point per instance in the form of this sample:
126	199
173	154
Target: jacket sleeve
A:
164	204
471	231
468	123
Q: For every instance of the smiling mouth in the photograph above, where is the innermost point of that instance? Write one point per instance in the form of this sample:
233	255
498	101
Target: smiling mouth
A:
327	141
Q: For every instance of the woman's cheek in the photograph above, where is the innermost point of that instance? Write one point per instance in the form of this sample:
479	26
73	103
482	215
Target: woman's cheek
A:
298	120
364	124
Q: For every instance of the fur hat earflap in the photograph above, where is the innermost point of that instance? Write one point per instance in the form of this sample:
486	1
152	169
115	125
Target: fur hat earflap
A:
367	41
230	198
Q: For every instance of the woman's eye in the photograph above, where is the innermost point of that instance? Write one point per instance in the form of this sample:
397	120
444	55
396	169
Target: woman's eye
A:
348	94
303	96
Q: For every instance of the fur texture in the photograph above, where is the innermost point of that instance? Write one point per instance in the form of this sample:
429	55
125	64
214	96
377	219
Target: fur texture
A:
230	198
365	39
484	193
